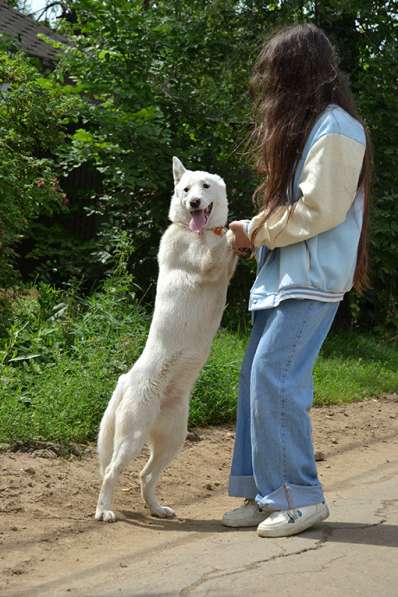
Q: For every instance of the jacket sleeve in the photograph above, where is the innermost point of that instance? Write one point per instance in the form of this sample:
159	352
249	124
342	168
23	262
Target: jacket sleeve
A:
328	186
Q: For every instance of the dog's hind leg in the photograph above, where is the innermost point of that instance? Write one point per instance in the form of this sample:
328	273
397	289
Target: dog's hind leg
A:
166	439
133	420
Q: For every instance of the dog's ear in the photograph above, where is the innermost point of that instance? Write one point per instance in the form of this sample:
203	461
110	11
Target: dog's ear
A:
178	169
220	180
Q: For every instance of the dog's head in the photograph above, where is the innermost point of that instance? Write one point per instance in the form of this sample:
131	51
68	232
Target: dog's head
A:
199	199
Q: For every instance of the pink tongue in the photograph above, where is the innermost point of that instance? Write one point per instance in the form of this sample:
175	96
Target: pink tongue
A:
199	220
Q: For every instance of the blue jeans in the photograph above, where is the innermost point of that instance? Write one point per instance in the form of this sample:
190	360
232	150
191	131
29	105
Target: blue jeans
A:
273	458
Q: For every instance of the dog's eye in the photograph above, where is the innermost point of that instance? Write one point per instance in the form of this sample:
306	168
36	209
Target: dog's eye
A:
206	186
186	189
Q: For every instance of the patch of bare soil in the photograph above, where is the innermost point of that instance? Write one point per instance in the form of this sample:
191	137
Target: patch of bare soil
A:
47	502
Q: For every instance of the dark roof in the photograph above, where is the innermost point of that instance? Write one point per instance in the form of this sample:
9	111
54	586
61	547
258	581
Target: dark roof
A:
23	29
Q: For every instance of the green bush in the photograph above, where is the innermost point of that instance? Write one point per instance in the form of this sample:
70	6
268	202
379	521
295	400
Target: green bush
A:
33	117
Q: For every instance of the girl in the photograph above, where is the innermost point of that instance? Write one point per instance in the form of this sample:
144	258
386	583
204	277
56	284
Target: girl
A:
310	240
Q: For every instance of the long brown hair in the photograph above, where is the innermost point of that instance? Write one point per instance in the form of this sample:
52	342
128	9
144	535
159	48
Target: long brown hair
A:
296	76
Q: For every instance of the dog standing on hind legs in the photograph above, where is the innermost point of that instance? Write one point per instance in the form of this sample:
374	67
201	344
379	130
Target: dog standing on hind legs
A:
150	403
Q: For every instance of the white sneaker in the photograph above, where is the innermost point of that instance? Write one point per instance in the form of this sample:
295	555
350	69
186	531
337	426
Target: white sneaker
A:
247	515
289	522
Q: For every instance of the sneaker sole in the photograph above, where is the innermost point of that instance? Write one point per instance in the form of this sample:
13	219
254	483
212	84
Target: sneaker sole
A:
295	529
235	524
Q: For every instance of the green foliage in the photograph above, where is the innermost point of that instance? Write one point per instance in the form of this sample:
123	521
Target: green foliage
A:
139	85
161	82
31	124
366	34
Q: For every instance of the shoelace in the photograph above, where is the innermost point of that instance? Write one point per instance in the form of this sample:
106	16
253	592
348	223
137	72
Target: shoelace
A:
294	515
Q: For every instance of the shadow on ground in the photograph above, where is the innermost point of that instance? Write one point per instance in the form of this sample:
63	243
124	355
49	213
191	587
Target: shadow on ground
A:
341	532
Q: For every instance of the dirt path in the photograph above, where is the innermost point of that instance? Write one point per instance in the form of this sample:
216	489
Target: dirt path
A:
50	544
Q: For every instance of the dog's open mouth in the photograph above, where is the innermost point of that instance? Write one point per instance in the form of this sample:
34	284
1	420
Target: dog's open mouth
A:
199	218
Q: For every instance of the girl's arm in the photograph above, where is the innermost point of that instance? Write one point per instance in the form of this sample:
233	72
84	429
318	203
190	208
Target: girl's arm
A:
328	184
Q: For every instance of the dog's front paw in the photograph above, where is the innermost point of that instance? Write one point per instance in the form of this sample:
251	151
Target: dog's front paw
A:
163	512
105	515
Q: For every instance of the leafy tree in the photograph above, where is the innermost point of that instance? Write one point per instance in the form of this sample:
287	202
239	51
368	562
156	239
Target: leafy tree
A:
143	81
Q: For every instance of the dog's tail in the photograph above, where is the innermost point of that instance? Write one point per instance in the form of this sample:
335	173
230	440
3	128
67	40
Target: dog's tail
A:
107	427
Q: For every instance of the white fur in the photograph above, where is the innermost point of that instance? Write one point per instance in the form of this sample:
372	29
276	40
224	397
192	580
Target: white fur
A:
151	402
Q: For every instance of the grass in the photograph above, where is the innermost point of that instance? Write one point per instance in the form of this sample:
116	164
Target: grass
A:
354	366
61	357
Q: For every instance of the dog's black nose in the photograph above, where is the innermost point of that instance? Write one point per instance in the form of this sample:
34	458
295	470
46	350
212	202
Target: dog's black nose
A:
194	203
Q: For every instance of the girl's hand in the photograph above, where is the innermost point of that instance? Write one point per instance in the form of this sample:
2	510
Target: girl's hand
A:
242	244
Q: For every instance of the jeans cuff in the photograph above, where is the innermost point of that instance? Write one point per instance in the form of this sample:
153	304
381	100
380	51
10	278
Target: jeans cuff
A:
289	496
242	486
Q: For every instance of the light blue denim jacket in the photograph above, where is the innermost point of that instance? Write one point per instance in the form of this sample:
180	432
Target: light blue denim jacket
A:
322	266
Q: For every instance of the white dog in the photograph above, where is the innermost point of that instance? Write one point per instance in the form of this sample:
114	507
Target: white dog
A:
151	402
